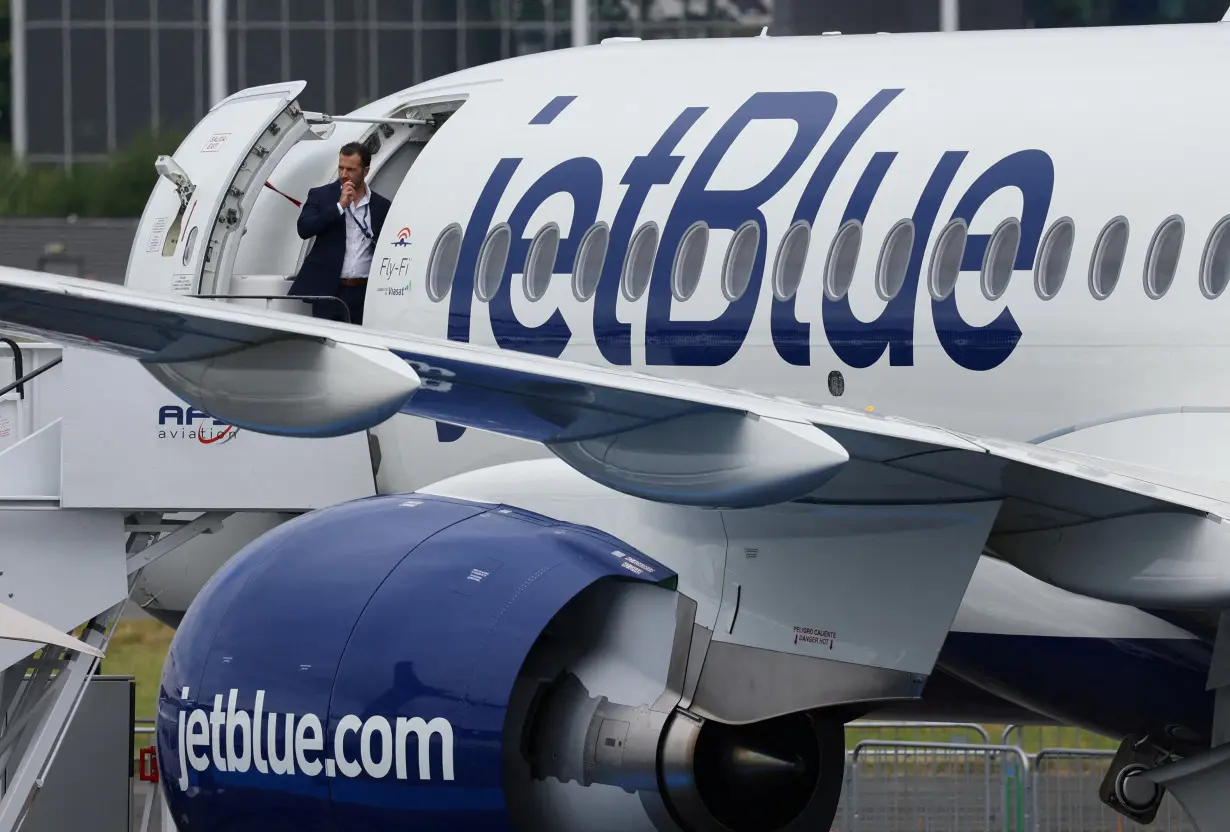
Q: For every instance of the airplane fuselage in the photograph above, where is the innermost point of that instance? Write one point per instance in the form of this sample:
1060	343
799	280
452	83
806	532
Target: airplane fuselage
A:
954	230
748	180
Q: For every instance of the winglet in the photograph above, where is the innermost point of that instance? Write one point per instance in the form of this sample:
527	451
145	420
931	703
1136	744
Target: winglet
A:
18	626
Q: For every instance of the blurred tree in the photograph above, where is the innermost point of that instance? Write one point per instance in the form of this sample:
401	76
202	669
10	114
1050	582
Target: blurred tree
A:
6	124
1063	13
118	187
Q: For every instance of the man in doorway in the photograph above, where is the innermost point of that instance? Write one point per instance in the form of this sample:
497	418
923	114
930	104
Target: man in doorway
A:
345	217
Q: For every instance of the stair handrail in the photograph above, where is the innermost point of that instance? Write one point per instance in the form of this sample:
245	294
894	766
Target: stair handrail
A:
22	380
18	371
326	298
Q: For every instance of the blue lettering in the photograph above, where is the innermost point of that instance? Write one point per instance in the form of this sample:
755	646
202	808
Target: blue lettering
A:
554	107
184	416
712	343
461	298
861	345
856	343
792	337
582	180
986	347
448	433
658	167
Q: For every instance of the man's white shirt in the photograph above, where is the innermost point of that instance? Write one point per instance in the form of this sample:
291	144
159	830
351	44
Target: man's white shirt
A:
358	260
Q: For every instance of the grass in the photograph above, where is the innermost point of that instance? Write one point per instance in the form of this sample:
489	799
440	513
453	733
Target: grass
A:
139	647
1031	738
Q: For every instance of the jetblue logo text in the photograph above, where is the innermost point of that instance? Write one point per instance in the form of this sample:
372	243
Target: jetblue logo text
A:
856	342
233	740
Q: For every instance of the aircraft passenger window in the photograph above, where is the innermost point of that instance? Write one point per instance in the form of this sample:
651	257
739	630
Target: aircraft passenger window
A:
894	259
1055	252
1215	265
540	262
946	259
638	267
442	264
740	260
999	259
491	262
689	261
1162	260
1108	258
791	257
843	257
591	255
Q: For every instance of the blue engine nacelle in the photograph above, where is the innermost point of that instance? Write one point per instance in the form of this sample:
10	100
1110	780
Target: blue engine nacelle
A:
429	663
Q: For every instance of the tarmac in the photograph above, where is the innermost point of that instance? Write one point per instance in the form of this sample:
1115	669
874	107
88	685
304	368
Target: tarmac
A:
141	793
934	804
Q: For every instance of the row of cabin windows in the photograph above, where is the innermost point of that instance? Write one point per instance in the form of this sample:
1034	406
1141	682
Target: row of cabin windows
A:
1050	268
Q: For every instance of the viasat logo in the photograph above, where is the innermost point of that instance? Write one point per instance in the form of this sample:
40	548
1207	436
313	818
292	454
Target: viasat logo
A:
193	425
403	237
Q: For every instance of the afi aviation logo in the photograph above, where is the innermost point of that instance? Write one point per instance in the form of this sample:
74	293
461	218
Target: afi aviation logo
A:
190	424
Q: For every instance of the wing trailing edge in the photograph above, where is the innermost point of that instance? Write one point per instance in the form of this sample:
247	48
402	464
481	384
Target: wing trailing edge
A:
292	375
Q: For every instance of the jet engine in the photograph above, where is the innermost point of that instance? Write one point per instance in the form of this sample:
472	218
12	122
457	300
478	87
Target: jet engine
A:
427	662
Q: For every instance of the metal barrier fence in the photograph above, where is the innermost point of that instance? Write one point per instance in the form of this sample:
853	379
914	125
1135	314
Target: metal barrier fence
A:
916	785
967	781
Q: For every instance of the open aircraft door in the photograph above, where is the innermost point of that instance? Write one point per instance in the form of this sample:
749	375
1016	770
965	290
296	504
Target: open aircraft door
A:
194	219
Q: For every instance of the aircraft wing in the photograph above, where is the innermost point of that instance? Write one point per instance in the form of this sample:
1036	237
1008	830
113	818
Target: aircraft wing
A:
661	439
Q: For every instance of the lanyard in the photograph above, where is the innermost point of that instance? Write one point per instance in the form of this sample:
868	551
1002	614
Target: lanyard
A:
362	226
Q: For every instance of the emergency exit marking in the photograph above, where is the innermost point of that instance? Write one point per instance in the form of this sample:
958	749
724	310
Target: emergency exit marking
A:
155	235
214	142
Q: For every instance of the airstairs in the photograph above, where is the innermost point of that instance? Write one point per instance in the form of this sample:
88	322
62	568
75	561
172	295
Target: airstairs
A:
102	472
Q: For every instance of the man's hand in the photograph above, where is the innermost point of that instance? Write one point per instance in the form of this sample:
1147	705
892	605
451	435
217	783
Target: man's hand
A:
348	195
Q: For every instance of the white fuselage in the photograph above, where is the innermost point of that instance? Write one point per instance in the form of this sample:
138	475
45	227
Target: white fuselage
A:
747	180
952	229
1048	126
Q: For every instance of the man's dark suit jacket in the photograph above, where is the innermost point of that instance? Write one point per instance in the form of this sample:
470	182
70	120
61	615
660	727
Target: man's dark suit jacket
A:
322	269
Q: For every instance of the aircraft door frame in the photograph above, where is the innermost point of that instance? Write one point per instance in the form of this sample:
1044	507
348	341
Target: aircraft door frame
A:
187	238
392	138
